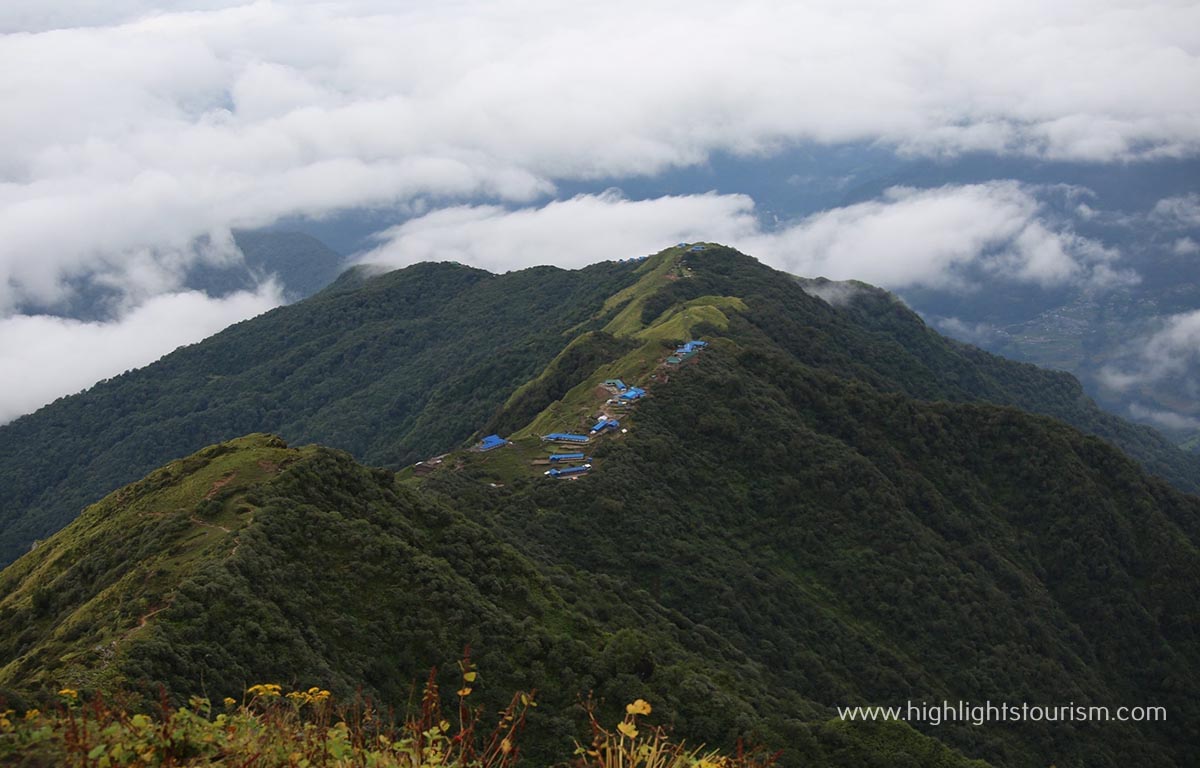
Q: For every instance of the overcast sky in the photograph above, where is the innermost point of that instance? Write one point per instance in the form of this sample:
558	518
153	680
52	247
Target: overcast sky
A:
133	130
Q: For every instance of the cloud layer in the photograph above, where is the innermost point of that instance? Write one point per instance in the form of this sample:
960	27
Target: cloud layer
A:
45	357
949	237
128	136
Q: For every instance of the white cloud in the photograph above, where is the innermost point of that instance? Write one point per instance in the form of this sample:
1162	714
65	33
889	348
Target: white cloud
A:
133	127
1185	246
1179	212
973	333
1161	418
45	357
1170	351
833	292
950	237
568	233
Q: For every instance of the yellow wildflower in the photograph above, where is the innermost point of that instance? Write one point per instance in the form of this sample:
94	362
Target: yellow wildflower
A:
32	714
69	693
229	702
639	707
628	729
505	745
469	677
464	691
265	690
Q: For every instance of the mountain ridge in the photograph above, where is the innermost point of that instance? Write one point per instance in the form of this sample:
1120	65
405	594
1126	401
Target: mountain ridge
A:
819	508
374	368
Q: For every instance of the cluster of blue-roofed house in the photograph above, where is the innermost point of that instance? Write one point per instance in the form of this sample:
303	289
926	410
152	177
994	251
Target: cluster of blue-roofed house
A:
604	424
625	396
686	351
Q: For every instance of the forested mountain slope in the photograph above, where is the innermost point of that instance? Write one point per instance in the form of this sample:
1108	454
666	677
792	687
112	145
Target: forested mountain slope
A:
868	547
399	366
403	365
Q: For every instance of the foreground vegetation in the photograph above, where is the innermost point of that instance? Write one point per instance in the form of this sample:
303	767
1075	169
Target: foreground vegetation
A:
303	729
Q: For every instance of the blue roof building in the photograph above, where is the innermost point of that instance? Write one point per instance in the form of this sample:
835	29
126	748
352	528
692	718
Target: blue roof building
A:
568	471
633	393
562	457
605	424
690	348
491	441
565	437
616	383
696	247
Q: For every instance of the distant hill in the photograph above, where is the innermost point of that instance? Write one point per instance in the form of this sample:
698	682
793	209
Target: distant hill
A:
300	263
397	367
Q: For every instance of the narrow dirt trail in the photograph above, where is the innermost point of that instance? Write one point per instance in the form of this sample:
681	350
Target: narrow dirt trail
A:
198	521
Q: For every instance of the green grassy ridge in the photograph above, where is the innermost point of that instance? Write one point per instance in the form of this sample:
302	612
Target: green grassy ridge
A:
82	603
629	303
640	366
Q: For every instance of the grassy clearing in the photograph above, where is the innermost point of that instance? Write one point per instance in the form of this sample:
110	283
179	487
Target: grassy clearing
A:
658	270
639	367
